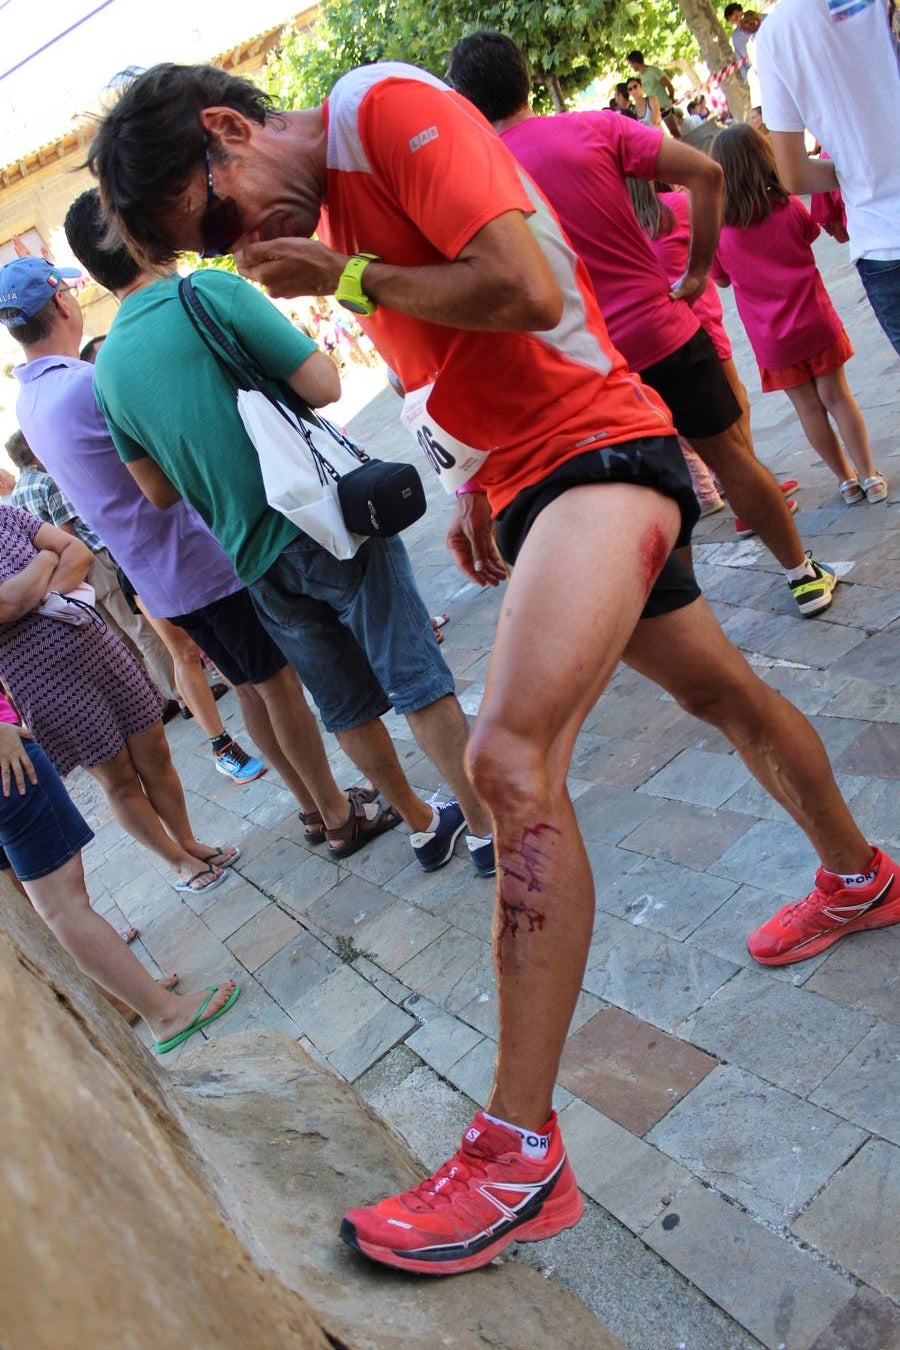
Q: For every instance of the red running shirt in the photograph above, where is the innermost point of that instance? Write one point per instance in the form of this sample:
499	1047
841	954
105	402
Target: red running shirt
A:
414	172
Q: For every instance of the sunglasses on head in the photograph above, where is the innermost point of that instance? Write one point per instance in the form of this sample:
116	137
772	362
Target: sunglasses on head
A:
220	224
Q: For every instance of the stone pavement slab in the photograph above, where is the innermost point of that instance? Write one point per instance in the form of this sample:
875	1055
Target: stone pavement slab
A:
868	1322
787	1036
873	753
865	1087
762	1146
229	912
773	856
301	964
692	836
649	975
624	1174
629	1069
393	937
669	899
783	1296
262	935
854	1219
700	777
864	973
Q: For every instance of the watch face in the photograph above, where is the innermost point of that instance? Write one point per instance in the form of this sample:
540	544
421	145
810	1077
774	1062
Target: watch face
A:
354	306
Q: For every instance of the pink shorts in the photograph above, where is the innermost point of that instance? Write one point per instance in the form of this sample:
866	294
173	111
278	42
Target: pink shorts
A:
826	363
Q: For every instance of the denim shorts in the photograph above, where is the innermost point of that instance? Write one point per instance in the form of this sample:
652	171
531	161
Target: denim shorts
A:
357	632
42	830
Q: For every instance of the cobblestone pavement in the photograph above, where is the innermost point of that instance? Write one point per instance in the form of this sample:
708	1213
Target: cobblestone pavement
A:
734	1128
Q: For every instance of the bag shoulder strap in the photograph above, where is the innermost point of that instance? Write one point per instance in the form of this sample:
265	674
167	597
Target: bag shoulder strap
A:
244	373
237	364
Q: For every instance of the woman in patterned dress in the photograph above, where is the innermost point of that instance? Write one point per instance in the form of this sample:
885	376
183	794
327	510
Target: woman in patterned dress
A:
87	700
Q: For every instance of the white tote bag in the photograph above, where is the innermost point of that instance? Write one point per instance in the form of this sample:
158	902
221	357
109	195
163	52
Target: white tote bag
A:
299	477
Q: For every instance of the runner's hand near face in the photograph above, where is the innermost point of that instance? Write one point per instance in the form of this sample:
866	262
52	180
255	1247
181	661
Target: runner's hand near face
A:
291	267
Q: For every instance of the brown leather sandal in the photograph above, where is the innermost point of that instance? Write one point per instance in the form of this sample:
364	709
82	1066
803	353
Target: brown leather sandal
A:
316	834
358	829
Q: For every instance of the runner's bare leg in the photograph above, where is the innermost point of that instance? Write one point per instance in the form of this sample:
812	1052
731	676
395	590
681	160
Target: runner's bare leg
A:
581	581
687	653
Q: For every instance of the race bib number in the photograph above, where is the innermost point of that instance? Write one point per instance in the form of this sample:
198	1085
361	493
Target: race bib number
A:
453	461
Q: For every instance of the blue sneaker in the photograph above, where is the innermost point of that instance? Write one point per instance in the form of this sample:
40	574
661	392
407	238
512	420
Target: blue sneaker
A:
237	765
481	851
434	848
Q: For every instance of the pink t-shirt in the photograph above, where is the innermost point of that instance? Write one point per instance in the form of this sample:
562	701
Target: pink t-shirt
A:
780	296
580	162
672	251
7	711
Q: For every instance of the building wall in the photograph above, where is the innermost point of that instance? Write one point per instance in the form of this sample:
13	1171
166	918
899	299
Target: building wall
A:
39	201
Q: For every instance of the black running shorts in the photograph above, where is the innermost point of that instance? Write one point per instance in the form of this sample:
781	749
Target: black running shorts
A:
232	634
692	383
655	462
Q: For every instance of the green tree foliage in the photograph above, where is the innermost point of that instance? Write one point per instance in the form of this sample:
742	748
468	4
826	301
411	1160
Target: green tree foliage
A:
566	42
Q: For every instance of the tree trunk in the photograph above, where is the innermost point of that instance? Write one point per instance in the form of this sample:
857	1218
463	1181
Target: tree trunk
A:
717	51
556	94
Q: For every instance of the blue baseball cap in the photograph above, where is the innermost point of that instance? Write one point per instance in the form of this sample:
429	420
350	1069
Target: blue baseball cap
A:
27	285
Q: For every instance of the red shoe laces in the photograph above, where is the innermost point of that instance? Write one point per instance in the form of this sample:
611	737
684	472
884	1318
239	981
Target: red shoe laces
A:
451	1178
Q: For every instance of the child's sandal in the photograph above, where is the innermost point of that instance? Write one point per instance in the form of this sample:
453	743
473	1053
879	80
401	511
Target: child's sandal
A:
875	488
851	491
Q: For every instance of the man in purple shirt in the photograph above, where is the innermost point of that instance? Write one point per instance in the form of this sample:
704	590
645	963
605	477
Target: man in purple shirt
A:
177	567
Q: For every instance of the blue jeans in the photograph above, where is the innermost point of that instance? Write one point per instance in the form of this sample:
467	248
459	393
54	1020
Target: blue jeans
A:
357	632
881	279
42	830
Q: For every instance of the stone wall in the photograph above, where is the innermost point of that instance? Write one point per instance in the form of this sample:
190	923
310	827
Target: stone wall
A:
110	1235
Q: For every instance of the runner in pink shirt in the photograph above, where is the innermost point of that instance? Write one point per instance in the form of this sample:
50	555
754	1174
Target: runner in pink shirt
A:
581	162
765	252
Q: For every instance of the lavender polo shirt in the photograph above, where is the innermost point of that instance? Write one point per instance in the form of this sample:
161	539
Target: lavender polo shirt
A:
170	557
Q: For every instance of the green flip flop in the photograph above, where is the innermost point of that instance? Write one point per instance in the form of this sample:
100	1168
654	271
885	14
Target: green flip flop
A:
199	1021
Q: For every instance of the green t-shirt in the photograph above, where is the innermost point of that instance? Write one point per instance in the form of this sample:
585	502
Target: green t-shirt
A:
651	78
165	396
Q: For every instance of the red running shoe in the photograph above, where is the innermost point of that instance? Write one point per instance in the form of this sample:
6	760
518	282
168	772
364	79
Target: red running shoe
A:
485	1197
828	913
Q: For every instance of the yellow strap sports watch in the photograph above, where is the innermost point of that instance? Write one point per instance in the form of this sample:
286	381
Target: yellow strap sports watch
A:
349	291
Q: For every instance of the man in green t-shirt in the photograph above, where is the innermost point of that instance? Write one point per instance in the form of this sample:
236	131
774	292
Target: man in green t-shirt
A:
356	631
657	84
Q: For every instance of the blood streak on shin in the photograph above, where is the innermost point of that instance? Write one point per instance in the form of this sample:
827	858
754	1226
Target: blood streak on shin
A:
523	864
514	911
655	549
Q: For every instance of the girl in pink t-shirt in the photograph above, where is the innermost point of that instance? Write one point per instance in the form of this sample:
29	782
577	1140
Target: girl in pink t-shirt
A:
796	334
665	218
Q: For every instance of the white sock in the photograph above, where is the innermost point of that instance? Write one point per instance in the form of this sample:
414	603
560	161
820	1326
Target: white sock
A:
474	841
533	1145
855	880
435	821
805	569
